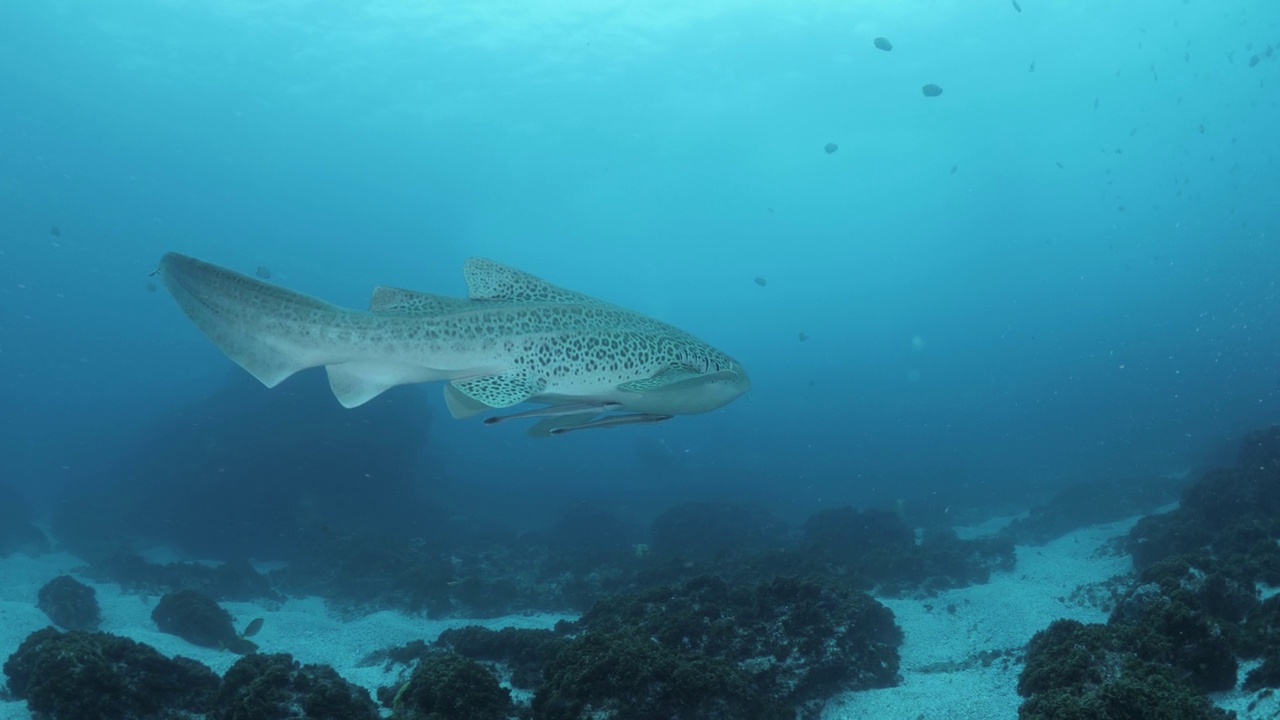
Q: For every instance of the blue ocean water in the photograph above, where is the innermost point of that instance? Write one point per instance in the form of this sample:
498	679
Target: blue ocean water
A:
1062	268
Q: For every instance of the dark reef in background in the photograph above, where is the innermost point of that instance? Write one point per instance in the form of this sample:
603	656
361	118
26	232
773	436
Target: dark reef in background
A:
17	534
1235	511
251	472
1093	503
234	580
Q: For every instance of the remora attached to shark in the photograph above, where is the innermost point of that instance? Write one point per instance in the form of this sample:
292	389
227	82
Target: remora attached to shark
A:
515	338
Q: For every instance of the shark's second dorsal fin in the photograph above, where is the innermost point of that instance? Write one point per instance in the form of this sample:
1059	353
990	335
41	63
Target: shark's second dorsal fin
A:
390	300
489	280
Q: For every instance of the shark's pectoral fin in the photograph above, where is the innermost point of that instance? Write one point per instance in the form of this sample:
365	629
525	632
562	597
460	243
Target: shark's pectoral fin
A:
562	425
501	390
461	406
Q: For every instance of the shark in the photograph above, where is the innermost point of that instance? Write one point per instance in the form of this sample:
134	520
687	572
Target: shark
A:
515	338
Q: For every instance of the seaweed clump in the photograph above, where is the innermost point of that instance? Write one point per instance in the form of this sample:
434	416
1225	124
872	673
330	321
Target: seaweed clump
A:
1075	671
520	653
710	650
81	675
276	687
70	604
448	686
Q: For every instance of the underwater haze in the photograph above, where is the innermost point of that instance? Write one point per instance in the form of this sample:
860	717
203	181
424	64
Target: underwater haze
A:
1057	264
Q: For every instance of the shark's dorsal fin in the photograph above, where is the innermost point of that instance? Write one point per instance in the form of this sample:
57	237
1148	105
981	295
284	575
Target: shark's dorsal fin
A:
397	301
489	280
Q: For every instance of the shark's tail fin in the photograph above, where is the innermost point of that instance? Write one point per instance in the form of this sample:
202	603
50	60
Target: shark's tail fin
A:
266	329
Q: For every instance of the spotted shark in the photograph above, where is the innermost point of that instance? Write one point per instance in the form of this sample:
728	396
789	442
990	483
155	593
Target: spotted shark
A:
514	339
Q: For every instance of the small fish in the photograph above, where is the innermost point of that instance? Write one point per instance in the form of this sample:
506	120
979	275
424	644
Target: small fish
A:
803	336
1016	6
954	168
761	281
1033	66
264	272
830	147
883	44
1254	60
931	90
1059	164
55	231
252	628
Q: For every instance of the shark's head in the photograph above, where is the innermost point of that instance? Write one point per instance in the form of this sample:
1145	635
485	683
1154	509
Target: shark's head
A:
703	392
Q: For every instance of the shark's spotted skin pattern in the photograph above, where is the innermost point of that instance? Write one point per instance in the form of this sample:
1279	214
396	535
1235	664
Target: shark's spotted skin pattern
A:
516	338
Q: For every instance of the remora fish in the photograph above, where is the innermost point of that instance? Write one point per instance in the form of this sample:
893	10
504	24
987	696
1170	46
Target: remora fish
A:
514	339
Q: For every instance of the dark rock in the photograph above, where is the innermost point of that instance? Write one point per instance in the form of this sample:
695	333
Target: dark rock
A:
196	618
70	604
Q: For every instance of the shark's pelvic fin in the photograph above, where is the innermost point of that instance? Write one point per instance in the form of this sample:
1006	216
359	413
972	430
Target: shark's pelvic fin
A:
502	389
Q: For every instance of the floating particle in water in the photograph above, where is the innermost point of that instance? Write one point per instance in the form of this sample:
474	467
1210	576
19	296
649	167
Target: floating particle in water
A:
1254	60
954	168
931	90
1016	6
1095	103
55	231
1186	56
1059	164
264	272
803	336
1201	128
151	287
1269	51
883	44
830	147
761	281
1033	66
